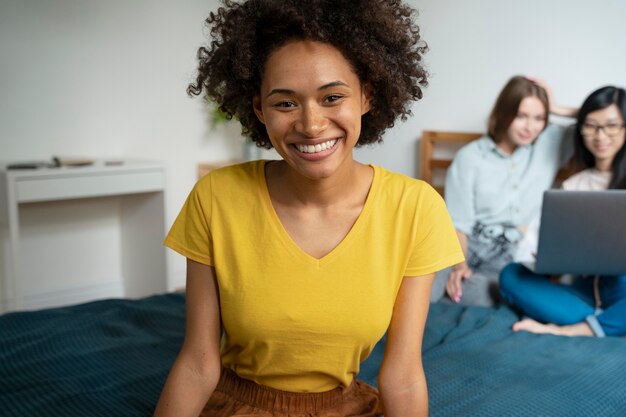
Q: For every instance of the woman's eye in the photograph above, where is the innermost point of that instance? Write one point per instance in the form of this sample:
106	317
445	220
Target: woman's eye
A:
284	104
333	98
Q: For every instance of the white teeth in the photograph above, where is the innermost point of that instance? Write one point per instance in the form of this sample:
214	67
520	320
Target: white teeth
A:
317	148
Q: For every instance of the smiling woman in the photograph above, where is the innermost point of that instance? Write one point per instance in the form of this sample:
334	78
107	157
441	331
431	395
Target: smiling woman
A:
284	256
311	103
587	307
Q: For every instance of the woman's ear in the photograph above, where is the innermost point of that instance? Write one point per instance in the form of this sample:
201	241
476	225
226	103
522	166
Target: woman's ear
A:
258	108
366	98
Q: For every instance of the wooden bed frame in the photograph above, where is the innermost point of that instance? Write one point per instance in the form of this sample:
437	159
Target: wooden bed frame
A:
429	163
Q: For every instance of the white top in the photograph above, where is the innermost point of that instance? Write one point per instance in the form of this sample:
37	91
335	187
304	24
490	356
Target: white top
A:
588	180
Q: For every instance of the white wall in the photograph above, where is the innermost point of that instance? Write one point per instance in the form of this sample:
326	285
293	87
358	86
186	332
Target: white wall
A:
107	78
90	78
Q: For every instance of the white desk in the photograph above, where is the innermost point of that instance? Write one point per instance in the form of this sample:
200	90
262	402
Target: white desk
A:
139	186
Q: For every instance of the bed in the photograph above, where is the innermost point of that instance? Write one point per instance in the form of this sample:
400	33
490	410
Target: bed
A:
111	357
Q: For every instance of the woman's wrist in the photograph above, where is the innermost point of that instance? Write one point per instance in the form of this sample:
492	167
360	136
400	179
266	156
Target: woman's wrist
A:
564	111
460	266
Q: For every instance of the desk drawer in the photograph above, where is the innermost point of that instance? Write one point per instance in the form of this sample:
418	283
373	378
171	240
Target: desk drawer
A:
88	185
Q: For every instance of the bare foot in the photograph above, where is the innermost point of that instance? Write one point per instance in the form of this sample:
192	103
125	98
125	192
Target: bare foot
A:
533	326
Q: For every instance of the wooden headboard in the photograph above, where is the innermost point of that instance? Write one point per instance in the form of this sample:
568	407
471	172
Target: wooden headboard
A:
432	161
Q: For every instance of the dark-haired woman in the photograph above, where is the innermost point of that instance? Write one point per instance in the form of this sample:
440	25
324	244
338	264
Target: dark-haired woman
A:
495	185
590	306
297	267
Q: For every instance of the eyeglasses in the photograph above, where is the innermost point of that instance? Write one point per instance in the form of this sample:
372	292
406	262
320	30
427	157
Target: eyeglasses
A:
612	129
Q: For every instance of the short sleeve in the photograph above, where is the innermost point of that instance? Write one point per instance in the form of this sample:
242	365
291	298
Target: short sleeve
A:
436	243
459	192
190	234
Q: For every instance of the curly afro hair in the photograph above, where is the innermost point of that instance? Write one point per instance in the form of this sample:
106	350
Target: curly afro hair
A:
378	37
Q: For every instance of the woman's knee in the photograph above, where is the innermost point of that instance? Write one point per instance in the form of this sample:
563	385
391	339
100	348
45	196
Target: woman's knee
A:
510	277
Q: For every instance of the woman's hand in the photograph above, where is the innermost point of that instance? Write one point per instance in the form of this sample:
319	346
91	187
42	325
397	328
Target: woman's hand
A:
544	84
555	108
454	285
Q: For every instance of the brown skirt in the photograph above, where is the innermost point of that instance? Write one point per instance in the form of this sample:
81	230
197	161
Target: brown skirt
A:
235	396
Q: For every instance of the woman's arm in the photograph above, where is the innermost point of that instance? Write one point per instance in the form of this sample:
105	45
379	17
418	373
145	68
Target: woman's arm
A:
461	200
555	108
459	272
401	382
196	371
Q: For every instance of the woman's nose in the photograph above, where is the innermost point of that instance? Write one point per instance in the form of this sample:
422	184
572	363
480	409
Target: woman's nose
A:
601	133
312	120
535	124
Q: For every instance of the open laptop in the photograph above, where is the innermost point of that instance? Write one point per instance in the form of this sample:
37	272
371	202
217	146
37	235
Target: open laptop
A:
582	232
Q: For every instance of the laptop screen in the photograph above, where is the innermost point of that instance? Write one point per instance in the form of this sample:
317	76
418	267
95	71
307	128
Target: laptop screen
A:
582	232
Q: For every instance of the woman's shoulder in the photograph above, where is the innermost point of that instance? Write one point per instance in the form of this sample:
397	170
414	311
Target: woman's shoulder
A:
394	186
588	180
397	179
573	182
472	151
233	173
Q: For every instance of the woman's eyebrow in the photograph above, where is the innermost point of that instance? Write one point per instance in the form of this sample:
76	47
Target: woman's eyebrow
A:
279	91
333	84
608	120
323	87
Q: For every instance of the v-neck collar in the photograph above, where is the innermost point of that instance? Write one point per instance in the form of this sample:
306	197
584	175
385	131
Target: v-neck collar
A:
291	245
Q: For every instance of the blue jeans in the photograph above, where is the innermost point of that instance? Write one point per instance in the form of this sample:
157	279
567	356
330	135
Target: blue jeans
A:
539	298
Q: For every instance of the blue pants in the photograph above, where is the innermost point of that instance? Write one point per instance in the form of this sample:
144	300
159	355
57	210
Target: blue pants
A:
539	298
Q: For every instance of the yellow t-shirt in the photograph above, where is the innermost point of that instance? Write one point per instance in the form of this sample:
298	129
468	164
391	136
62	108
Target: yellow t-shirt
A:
294	322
